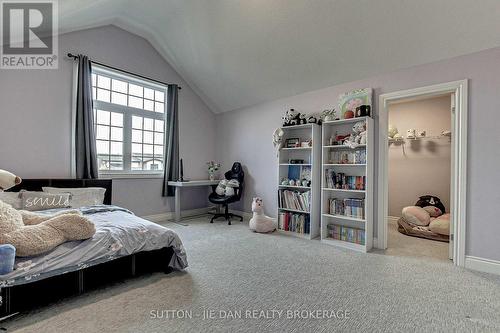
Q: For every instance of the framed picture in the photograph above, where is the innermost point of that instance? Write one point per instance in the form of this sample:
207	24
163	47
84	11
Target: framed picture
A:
348	102
292	143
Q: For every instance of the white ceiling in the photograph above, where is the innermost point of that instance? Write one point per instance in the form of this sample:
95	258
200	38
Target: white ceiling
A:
239	53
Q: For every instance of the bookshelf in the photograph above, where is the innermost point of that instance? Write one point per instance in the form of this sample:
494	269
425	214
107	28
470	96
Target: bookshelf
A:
290	216
347	187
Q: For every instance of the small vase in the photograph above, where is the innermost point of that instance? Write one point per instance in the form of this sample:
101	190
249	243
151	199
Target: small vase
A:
211	176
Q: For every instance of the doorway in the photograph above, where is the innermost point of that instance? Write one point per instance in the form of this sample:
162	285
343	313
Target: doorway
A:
458	158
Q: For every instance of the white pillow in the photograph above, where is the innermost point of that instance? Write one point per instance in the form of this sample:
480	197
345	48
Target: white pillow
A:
80	197
12	198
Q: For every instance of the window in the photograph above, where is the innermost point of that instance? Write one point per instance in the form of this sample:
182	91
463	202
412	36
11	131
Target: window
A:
129	122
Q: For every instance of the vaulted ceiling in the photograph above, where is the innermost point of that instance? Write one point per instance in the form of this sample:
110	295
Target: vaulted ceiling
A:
236	53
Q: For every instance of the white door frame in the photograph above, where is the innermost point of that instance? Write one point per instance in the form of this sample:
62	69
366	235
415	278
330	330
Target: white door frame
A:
459	162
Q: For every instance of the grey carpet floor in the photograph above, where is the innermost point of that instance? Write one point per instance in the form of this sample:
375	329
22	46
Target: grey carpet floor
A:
233	269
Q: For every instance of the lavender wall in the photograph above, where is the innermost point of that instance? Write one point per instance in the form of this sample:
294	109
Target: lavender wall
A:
35	115
245	135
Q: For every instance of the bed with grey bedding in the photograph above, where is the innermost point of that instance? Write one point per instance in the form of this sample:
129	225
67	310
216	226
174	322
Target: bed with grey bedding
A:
119	233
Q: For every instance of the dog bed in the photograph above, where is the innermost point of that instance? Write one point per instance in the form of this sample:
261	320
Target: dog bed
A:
419	231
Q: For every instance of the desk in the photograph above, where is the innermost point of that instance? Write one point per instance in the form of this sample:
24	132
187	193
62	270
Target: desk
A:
191	183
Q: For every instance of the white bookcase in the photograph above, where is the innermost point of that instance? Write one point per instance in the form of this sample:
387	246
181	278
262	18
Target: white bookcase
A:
332	224
311	157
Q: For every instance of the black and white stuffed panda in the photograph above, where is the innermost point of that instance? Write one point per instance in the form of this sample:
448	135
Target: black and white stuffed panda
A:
430	200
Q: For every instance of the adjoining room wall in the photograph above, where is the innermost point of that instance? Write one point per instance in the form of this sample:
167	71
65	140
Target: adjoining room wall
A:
422	166
246	135
35	118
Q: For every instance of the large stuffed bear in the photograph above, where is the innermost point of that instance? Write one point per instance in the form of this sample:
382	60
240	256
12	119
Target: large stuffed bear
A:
260	222
33	234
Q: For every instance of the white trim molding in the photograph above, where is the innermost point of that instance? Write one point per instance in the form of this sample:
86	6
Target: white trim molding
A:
459	160
165	217
482	264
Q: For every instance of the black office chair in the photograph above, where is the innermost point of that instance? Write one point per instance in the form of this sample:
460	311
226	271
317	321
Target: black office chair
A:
237	173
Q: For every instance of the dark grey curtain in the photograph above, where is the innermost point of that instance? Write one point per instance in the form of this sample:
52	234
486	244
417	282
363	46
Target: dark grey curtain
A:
85	147
171	167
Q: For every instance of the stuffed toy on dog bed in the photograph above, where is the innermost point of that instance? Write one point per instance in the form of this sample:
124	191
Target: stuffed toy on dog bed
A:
426	220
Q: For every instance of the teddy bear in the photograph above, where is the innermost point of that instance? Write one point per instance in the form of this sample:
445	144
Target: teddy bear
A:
260	222
33	234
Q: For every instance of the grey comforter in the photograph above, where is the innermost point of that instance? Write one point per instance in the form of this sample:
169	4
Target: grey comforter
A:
118	233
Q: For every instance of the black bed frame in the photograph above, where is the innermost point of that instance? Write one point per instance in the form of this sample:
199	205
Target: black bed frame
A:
42	292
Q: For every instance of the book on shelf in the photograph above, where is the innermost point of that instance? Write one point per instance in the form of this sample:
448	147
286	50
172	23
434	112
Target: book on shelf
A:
348	157
346	234
294	222
340	180
299	172
295	200
351	207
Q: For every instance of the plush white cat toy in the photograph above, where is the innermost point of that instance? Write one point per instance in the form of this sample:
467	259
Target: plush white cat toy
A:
260	222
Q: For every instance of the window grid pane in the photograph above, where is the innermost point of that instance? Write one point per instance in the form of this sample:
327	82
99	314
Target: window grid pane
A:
145	140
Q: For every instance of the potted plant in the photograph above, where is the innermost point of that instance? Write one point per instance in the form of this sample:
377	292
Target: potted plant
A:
212	169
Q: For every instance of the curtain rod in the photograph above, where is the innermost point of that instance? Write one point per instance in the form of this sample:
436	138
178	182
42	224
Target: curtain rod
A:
121	70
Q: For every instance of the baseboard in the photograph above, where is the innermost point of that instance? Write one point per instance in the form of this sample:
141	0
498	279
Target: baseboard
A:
392	219
246	215
482	264
170	215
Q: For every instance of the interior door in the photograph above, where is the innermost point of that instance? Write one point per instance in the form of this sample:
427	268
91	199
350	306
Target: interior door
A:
452	183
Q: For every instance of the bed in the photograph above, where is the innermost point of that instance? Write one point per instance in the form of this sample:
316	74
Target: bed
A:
124	245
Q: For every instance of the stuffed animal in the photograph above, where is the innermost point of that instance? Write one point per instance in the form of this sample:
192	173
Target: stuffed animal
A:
221	187
260	222
430	200
278	138
291	118
231	185
33	234
359	129
393	130
8	180
328	115
358	135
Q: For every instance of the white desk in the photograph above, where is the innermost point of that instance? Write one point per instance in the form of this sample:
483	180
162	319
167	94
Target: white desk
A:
191	183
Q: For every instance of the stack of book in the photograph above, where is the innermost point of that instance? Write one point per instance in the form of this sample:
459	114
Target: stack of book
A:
347	207
298	223
348	157
347	234
295	200
342	181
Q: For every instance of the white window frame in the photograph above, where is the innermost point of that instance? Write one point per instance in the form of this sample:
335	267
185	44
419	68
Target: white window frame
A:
127	122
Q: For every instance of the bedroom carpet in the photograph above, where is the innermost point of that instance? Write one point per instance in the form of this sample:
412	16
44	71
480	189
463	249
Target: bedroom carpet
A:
233	269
